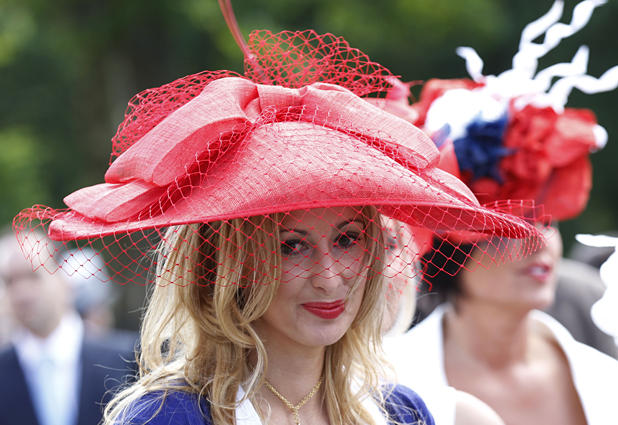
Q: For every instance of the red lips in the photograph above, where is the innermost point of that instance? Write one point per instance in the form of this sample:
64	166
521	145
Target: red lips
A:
539	271
327	311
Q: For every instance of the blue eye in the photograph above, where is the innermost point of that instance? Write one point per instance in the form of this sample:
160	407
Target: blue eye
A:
346	240
291	247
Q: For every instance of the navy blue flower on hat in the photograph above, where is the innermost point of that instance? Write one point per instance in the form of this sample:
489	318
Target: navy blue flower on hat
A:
479	152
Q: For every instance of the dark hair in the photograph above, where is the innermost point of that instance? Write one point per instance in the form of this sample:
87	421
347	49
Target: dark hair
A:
441	266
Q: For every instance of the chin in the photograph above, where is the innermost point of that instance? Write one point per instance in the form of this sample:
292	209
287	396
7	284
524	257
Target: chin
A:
538	295
546	302
324	338
538	301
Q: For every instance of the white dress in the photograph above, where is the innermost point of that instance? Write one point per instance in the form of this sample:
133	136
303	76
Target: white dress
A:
418	359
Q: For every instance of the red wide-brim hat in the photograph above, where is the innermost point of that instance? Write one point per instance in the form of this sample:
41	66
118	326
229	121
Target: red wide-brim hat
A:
216	146
259	149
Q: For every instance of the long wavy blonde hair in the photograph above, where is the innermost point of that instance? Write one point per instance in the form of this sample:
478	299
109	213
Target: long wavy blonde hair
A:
196	333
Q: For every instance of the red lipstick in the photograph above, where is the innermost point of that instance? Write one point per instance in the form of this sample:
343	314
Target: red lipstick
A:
327	311
539	272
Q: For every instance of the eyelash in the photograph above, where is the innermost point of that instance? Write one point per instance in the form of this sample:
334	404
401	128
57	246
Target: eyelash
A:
295	246
291	247
352	237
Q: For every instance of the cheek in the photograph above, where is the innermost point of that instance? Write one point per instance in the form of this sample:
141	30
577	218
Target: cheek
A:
352	264
355	282
555	246
287	292
356	299
25	289
487	283
295	269
349	266
279	311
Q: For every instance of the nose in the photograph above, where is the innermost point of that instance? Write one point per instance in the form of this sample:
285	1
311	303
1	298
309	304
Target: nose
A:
326	271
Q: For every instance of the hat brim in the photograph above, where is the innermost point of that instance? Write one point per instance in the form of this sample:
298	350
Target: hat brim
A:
287	166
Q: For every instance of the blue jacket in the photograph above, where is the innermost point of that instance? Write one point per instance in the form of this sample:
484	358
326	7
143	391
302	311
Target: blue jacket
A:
103	367
179	408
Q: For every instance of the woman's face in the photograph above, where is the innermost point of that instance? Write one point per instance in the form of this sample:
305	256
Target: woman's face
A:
401	255
322	278
529	283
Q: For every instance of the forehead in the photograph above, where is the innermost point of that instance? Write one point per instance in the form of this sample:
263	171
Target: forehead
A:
20	268
321	219
13	264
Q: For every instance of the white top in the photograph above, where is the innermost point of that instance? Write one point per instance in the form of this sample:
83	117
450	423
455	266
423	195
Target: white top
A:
418	358
52	369
247	415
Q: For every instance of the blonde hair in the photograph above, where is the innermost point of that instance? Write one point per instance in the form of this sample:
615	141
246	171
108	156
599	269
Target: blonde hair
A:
197	334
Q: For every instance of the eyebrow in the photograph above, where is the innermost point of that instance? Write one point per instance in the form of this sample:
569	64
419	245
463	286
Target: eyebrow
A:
355	221
300	232
338	227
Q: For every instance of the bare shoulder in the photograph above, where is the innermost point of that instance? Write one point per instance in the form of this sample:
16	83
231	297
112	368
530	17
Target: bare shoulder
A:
472	411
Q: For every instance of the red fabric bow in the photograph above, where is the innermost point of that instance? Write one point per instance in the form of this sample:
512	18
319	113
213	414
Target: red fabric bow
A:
151	179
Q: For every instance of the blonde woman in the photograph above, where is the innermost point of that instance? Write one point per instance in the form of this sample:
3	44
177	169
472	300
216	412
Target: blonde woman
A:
266	196
297	334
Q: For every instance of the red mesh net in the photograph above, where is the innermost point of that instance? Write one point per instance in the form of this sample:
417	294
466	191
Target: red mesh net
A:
289	59
223	180
298	59
148	108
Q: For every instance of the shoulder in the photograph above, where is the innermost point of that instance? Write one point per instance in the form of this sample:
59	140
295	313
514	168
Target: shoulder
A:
578	354
594	374
428	332
106	367
573	349
162	408
472	411
110	354
13	388
579	288
407	407
115	345
8	356
417	356
11	369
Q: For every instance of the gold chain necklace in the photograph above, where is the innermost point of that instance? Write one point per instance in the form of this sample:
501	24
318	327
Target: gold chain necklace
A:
290	405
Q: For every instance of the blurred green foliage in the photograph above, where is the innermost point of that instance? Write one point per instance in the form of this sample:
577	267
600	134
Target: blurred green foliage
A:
69	67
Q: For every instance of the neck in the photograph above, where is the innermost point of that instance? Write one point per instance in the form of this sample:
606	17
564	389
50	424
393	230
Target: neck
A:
44	332
45	328
491	334
293	374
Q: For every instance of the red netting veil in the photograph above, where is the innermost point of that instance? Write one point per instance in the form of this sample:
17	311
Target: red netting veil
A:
230	177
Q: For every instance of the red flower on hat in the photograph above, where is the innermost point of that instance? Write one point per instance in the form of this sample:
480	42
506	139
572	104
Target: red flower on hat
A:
550	163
